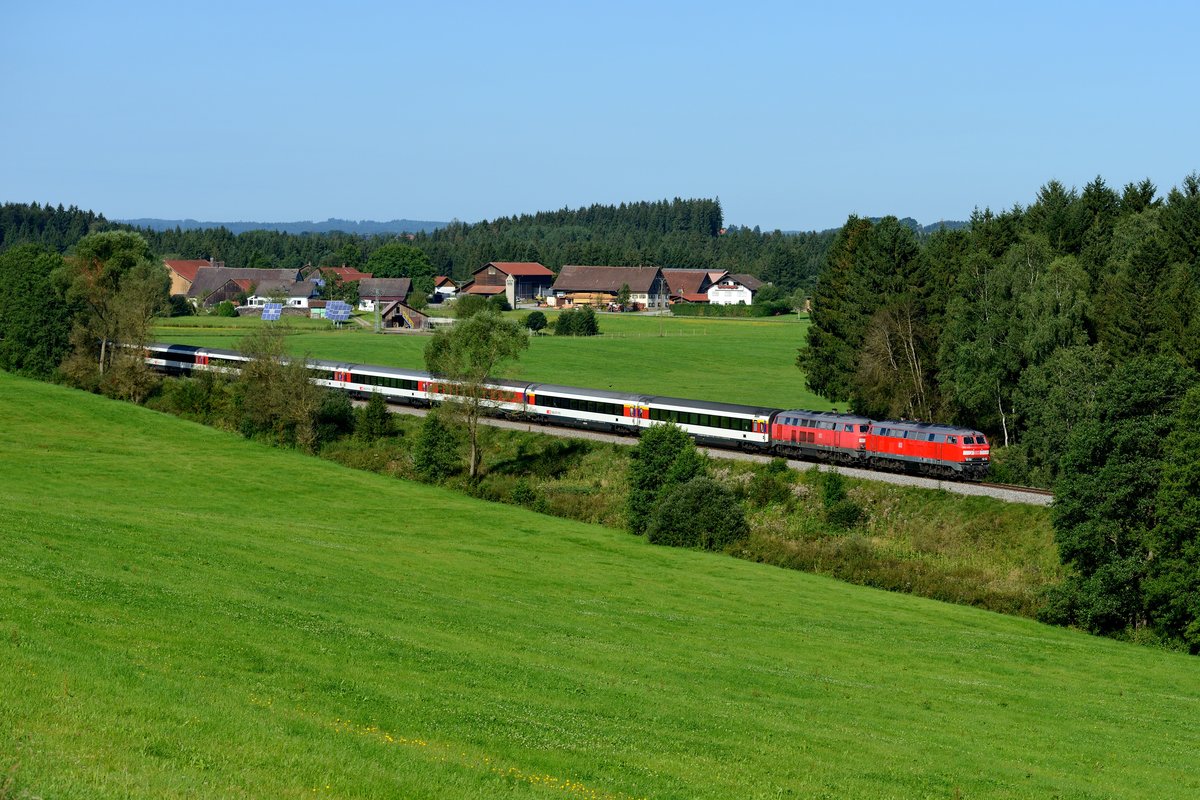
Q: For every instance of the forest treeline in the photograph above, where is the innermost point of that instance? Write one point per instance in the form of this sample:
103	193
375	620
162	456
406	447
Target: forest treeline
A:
668	233
1069	331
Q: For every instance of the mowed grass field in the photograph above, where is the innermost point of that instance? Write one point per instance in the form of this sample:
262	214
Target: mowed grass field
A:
750	361
187	614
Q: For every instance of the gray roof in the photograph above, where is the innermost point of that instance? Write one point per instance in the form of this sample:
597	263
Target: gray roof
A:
389	288
209	279
286	287
749	281
605	279
691	281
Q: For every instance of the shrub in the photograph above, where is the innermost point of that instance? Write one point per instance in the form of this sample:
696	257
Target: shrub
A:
375	420
577	322
767	487
226	309
335	417
468	305
663	457
522	493
498	302
844	514
700	513
565	324
536	321
435	455
840	510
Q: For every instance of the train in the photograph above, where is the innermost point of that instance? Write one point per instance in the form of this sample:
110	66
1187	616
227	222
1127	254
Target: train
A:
935	450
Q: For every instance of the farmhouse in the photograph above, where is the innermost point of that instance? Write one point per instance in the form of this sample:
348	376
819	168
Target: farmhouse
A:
343	273
734	289
213	285
691	285
385	290
601	285
518	281
291	293
183	271
444	286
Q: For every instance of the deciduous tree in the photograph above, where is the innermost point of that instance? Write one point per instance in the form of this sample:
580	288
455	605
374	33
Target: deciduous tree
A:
465	357
665	456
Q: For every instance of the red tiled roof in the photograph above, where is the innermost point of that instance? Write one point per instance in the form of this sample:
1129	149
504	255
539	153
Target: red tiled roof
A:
519	268
186	267
691	281
443	279
476	288
347	274
694	297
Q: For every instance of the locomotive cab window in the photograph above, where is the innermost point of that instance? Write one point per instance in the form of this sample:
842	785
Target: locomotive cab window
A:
953	439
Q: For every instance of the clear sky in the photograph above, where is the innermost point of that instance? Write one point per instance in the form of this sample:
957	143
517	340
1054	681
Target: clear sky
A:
794	114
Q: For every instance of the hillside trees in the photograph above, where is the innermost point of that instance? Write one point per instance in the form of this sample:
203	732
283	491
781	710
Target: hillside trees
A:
119	287
35	319
273	395
1107	514
870	340
968	328
663	458
465	356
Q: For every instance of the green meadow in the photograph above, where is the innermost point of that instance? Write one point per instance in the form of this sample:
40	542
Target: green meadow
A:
184	613
748	361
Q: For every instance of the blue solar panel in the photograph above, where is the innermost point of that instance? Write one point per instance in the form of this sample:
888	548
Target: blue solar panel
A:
272	311
337	311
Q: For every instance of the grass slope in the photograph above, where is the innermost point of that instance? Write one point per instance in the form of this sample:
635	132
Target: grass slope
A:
183	613
749	361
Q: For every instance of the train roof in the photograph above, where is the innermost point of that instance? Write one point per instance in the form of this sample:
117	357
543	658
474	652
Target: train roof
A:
827	416
927	427
189	348
705	405
604	394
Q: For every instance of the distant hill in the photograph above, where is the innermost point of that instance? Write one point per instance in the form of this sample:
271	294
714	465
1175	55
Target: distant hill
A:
364	227
909	222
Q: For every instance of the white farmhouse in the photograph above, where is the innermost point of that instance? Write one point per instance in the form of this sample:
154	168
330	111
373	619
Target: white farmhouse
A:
731	290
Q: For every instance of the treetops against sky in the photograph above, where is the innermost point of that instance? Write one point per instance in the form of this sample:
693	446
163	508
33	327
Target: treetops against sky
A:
795	115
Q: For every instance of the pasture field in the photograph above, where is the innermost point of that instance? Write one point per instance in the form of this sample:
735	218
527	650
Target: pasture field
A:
185	613
748	361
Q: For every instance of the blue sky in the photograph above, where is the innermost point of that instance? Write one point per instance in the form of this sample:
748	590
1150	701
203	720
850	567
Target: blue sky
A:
794	115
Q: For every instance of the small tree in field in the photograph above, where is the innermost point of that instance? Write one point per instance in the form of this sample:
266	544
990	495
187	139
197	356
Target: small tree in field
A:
435	456
375	420
466	356
536	321
664	457
468	305
623	296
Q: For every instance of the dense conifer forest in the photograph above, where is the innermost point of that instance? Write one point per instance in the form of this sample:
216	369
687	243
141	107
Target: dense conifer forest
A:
668	233
1069	331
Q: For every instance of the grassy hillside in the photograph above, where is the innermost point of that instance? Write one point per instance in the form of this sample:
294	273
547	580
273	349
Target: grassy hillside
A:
183	613
736	360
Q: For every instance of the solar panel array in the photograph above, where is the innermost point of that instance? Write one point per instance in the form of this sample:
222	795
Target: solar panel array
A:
337	311
272	312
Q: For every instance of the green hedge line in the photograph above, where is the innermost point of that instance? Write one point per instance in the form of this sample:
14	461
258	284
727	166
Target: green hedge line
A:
705	310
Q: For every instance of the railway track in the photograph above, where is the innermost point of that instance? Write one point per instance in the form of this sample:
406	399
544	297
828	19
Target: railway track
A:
1005	492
